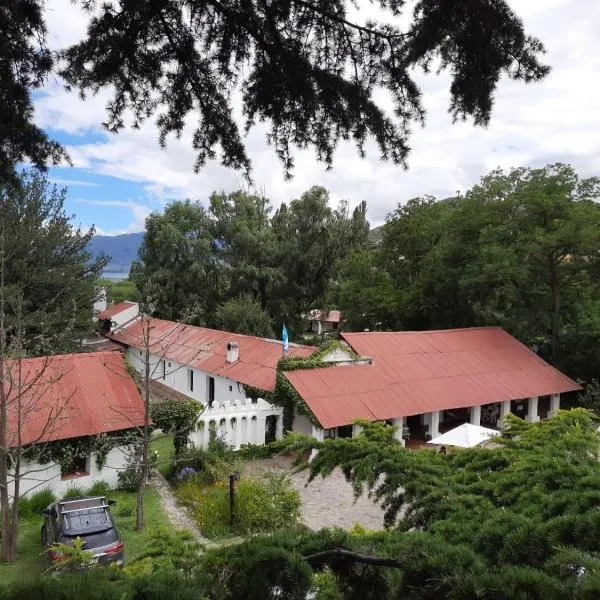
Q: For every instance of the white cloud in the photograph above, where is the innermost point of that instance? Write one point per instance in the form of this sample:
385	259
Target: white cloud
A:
556	120
139	213
72	182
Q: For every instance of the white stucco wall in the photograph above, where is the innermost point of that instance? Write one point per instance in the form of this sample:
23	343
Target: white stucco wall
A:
302	424
38	477
176	377
124	316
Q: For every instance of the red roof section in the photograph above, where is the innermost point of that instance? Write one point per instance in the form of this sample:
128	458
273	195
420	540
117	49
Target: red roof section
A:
206	350
115	309
425	371
73	395
333	316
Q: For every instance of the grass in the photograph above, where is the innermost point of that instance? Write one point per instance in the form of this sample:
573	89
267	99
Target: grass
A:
163	444
30	564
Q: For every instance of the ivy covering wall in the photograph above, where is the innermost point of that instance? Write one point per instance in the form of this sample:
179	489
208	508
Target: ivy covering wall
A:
286	396
63	452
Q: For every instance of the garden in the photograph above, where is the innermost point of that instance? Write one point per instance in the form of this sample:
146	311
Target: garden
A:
223	501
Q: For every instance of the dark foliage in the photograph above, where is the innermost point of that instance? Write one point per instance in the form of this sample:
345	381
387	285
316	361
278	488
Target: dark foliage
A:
304	67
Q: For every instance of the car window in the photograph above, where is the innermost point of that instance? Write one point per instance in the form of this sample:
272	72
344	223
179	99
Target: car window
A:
93	540
86	521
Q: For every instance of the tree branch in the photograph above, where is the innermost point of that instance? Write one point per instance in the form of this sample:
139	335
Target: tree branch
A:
378	561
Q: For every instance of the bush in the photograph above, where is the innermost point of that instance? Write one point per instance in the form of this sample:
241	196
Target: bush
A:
260	505
40	500
73	492
210	466
129	478
254	451
100	488
25	510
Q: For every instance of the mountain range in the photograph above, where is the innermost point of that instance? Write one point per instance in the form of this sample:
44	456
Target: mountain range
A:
123	250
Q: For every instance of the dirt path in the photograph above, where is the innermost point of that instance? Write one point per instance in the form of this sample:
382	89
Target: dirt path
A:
176	514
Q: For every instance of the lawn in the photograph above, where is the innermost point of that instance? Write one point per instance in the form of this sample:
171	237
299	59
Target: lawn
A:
163	444
30	564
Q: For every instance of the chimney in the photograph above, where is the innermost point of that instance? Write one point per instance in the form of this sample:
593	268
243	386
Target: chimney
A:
233	352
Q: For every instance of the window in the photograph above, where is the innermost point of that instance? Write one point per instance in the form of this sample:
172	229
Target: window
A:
169	365
345	431
231	388
164	369
329	433
211	390
78	467
190	380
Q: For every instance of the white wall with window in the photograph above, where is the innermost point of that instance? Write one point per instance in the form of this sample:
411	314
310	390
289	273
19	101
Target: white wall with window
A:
83	473
227	412
197	384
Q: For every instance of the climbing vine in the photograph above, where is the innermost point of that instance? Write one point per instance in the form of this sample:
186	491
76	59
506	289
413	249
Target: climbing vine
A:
255	393
178	417
286	396
64	452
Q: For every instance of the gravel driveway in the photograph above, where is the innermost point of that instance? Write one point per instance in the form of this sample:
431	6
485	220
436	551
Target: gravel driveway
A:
326	502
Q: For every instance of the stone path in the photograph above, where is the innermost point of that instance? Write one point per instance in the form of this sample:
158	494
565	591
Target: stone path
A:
177	514
326	502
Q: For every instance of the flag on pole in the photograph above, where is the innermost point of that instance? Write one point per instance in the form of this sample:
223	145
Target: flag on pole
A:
284	338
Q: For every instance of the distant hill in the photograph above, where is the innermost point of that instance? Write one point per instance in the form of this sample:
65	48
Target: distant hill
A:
123	250
375	235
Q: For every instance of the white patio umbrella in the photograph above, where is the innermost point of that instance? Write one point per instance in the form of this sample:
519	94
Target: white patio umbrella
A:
466	435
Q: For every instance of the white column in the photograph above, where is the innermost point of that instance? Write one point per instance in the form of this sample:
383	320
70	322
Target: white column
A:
476	415
318	433
356	429
398	423
532	410
434	423
504	410
252	431
261	427
279	427
554	405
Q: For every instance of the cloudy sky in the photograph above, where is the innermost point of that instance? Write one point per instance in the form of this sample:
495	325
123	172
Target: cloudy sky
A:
117	180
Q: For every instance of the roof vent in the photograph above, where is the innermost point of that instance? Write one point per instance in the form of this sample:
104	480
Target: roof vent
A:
233	352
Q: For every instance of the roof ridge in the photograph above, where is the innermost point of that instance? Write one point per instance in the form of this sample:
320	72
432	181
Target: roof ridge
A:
243	335
423	331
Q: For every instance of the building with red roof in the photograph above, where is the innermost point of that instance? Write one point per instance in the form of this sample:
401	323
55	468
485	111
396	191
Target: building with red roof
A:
228	373
118	315
321	321
428	381
68	397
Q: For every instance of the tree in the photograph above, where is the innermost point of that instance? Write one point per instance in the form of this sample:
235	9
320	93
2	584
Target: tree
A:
242	224
179	262
47	263
24	397
308	68
305	67
366	294
313	239
244	315
25	63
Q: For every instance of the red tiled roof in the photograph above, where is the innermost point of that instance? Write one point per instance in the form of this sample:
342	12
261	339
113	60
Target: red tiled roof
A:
420	372
206	349
333	316
115	309
74	395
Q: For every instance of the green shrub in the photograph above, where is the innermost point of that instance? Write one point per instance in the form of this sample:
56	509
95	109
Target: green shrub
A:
211	465
73	492
129	478
100	488
254	451
40	500
260	505
25	509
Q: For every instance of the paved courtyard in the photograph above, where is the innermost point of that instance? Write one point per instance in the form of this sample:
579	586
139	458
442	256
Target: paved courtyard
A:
326	502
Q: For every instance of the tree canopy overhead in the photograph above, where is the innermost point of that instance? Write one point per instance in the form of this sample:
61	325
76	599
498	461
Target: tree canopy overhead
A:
309	68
